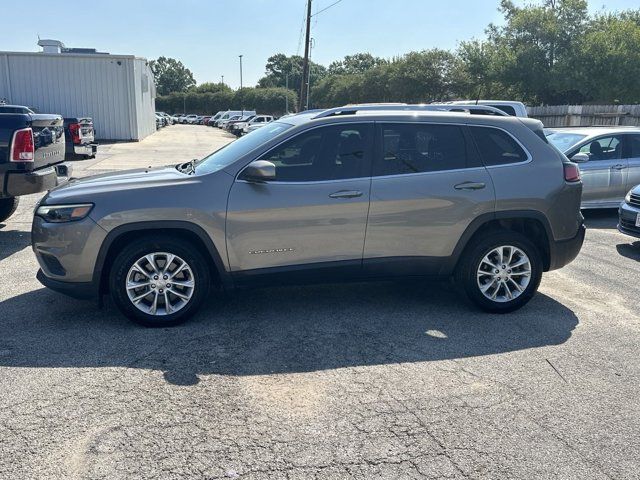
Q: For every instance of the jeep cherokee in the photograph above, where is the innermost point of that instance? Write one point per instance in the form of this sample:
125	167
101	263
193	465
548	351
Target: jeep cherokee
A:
338	195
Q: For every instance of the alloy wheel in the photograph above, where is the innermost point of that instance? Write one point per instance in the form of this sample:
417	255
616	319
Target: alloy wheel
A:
504	273
160	283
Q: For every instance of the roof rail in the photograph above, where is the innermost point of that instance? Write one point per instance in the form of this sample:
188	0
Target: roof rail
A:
354	109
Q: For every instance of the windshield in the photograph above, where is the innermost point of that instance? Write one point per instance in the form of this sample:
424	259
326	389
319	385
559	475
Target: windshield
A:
231	152
564	141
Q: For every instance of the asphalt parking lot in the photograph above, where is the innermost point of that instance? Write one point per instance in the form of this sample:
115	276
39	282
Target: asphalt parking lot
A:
385	380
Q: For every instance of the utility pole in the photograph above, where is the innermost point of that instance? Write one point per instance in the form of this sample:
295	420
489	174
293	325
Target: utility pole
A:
286	95
241	99
305	64
311	45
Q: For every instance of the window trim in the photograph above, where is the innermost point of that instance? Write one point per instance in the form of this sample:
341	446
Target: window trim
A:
308	182
525	149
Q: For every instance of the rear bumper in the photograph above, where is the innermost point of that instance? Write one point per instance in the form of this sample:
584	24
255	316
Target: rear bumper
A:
80	290
564	252
86	149
36	181
80	152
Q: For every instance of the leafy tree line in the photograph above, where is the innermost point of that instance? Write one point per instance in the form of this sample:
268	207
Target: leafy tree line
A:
546	52
552	52
210	98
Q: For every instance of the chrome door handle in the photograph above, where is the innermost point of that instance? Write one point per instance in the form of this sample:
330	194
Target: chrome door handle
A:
346	194
619	166
469	186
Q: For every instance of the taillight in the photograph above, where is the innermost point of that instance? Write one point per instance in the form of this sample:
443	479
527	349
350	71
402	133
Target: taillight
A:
22	146
74	128
571	172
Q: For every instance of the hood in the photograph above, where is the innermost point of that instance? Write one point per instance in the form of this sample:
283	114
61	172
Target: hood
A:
86	189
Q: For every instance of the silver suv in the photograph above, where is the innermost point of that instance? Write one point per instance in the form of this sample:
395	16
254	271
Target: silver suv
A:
331	196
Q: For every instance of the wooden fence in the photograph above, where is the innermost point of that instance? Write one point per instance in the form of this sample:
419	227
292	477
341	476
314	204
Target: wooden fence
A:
586	115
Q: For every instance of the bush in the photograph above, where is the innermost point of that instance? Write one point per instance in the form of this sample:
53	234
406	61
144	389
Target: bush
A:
263	100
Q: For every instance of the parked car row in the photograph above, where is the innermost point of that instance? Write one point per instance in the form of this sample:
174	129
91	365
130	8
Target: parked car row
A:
190	119
498	201
163	119
238	122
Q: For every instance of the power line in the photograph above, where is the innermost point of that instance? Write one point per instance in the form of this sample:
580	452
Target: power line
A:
304	20
326	8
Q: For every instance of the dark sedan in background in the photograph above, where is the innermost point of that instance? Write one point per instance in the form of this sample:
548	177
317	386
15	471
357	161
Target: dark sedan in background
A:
629	213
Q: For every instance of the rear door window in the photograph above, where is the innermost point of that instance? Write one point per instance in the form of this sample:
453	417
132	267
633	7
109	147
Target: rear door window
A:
497	147
634	146
420	147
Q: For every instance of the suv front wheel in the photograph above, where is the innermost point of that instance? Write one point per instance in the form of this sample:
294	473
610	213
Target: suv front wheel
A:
501	271
159	282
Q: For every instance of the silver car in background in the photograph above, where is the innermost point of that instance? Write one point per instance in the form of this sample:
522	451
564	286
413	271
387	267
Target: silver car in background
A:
608	157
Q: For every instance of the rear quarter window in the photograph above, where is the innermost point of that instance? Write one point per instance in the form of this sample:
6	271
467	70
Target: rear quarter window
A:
509	110
497	147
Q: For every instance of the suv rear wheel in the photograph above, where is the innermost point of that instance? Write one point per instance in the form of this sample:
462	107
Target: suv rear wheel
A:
501	271
159	282
8	207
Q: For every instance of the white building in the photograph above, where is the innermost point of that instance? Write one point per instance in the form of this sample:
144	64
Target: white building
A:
117	91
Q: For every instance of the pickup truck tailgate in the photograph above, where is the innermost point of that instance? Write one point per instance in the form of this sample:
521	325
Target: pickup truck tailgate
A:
48	137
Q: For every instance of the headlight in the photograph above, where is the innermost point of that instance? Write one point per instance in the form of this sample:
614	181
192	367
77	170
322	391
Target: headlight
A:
64	213
628	197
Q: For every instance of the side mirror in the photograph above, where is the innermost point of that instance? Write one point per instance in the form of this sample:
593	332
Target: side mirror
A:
580	158
259	171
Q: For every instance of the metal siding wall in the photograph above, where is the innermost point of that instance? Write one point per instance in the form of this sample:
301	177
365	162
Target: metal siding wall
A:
145	102
95	86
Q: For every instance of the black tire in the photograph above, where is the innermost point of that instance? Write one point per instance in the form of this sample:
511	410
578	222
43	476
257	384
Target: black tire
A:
8	207
146	245
467	272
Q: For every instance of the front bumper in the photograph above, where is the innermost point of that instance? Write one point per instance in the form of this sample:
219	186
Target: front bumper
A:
564	252
36	181
627	217
67	252
80	290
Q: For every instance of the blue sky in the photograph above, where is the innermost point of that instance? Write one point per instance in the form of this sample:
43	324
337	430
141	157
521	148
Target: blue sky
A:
208	36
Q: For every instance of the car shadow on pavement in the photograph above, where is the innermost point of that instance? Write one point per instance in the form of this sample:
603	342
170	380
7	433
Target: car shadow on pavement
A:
12	241
601	218
629	250
277	330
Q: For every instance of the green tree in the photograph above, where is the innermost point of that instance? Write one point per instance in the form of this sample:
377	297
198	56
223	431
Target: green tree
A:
210	87
280	66
415	77
355	64
171	76
608	58
531	50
